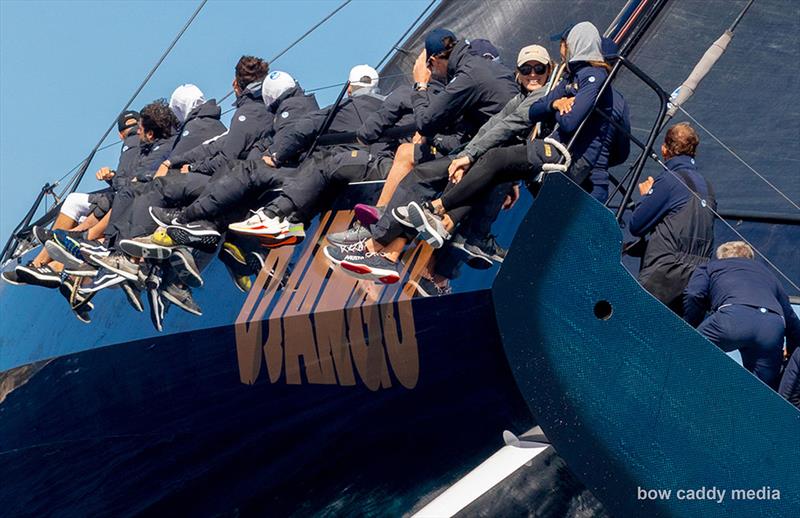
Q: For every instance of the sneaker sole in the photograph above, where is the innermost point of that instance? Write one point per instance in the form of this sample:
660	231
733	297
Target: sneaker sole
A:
255	262
420	222
80	273
122	273
107	284
476	261
180	304
193	232
366	214
60	254
207	243
133	300
186	271
145	250
400	220
234	253
376	274
277	243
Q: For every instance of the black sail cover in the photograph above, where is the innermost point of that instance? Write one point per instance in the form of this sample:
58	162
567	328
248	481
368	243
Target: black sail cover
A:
748	100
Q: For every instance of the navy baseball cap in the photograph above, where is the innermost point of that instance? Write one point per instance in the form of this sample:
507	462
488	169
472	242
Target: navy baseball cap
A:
434	41
122	120
484	48
563	34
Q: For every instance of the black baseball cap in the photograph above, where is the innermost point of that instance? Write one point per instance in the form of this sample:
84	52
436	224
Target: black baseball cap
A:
123	121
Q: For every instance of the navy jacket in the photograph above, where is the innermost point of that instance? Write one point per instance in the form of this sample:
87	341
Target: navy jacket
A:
395	111
667	196
250	122
477	89
128	158
738	281
289	144
592	147
287	109
620	144
201	125
146	162
790	383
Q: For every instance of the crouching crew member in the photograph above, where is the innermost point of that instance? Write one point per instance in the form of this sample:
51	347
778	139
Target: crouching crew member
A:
750	310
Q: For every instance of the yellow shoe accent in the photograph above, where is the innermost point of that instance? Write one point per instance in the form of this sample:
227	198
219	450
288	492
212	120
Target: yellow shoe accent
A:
235	252
243	282
160	237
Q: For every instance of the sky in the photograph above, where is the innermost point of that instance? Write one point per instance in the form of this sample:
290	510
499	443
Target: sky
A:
68	67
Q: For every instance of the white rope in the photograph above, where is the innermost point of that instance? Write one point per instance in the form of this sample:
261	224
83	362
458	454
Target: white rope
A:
740	159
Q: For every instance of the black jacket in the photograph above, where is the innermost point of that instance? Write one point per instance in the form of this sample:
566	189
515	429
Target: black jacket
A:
477	89
287	109
351	113
145	163
201	125
250	122
128	158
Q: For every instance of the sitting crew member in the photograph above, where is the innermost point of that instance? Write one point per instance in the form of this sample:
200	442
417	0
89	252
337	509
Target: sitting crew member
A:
749	310
673	213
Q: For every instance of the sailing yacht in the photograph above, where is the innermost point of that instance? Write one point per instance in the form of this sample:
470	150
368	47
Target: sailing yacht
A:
551	385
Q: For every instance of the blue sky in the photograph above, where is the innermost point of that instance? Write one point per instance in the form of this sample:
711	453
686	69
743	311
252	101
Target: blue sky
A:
67	68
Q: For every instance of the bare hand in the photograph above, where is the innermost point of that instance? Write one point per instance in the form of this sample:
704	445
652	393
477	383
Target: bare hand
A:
420	72
104	173
511	198
185	168
417	138
268	160
564	105
162	170
459	166
646	185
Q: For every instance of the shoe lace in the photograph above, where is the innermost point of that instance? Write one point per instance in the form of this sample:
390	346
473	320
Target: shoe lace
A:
358	246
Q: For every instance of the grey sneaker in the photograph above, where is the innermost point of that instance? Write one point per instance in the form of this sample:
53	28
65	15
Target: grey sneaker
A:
350	236
474	256
181	296
429	226
145	247
401	215
119	264
364	265
183	264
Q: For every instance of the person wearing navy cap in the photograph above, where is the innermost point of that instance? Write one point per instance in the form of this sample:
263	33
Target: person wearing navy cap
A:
749	311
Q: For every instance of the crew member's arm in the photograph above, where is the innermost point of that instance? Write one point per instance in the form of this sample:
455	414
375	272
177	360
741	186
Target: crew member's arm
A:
291	142
652	206
590	81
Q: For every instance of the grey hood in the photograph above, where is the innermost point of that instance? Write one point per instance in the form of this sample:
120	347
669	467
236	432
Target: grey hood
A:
584	43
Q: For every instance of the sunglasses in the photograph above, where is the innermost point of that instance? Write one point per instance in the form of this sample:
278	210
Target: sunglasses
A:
526	69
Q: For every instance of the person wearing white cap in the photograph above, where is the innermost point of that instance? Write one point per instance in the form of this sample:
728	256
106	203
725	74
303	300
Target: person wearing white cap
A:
199	118
363	76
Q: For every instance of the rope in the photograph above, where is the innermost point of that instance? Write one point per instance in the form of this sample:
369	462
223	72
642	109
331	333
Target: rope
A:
740	159
298	40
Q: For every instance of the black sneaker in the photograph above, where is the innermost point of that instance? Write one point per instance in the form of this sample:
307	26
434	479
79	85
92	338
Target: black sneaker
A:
38	276
473	255
428	288
83	314
42	234
104	279
430	226
157	305
490	247
145	247
181	296
183	264
11	277
202	235
133	295
165	217
368	266
255	261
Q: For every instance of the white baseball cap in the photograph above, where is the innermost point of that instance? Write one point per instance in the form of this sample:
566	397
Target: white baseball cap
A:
364	76
276	84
